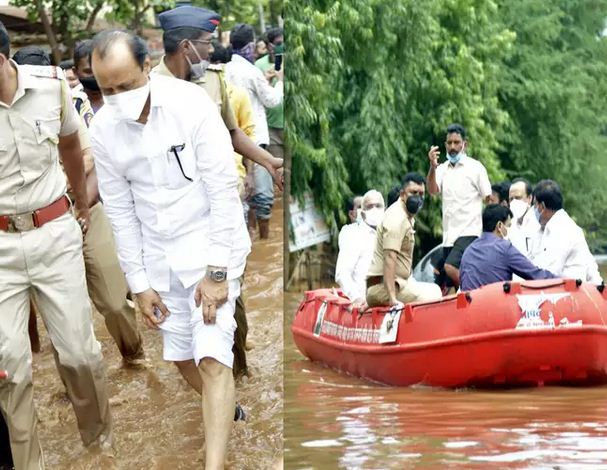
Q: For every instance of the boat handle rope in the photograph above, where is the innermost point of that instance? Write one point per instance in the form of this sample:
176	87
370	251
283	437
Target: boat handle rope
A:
508	285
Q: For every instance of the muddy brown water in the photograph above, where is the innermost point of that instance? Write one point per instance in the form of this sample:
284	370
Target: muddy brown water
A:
336	421
157	417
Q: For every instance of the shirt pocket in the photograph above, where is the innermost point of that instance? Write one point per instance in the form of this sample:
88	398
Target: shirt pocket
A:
37	143
180	165
408	242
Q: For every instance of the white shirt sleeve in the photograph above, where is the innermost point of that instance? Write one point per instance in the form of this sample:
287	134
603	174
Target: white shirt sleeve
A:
215	162
119	206
270	96
349	252
581	263
484	185
440	173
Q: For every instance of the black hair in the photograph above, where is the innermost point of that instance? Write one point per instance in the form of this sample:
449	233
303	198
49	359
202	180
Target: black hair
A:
220	54
5	41
458	129
350	202
272	34
66	64
83	50
548	192
241	35
528	187
493	214
103	41
393	195
32	55
173	37
502	189
414	177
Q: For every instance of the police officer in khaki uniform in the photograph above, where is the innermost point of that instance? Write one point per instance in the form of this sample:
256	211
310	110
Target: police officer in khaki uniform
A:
41	253
389	281
187	42
105	280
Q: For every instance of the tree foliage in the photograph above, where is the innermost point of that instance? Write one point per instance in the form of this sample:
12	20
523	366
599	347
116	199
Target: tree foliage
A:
372	84
66	21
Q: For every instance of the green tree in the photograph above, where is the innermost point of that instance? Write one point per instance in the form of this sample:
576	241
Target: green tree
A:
63	21
525	77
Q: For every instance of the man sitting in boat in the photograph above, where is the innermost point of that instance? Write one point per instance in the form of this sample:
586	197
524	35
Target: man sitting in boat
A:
492	258
560	244
356	249
524	223
389	281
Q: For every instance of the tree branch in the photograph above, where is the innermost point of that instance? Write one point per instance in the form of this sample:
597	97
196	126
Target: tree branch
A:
48	29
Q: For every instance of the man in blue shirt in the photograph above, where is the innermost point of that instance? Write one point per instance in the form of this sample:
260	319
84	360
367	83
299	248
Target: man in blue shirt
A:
492	258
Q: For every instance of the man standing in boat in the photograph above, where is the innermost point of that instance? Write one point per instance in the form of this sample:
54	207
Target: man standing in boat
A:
464	185
389	281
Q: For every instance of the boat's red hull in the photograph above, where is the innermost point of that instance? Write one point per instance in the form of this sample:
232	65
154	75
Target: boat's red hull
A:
542	332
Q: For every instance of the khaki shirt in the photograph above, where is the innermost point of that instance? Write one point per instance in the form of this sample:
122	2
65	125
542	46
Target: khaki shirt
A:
42	110
214	84
86	114
395	232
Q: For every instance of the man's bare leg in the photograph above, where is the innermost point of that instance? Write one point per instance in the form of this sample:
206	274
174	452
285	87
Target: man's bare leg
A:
453	274
218	401
190	373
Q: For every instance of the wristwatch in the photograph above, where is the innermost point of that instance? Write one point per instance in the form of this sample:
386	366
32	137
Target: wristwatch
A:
217	275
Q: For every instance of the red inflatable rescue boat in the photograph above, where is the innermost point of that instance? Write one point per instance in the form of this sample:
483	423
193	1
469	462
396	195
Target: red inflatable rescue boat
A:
504	334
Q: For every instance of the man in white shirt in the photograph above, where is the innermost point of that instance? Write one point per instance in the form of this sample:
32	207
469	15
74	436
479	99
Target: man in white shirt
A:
560	245
168	180
524	223
356	249
464	185
242	72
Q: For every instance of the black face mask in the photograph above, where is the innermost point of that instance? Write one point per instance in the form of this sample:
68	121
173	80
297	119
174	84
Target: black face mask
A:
414	204
89	83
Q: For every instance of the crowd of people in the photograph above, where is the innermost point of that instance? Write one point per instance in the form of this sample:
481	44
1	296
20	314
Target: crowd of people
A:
491	233
122	180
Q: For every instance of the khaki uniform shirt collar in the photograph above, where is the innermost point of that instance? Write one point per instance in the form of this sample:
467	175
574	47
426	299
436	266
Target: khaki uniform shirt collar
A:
162	69
24	81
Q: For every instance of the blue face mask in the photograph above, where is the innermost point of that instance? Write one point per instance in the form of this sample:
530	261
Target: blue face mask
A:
537	213
453	159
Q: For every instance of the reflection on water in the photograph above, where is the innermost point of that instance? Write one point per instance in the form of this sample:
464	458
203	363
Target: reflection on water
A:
336	421
157	417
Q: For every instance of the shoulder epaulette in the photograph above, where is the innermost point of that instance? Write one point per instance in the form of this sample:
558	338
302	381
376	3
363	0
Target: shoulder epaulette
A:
46	71
215	67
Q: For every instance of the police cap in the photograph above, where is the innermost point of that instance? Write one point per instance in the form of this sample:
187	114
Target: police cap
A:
189	17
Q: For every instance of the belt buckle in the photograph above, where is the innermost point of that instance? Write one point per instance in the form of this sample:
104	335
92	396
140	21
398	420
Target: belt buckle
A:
21	222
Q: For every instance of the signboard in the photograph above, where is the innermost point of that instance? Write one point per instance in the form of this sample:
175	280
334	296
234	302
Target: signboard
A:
307	224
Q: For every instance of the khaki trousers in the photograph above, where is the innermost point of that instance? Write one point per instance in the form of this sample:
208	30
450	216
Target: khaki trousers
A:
408	290
47	263
107	286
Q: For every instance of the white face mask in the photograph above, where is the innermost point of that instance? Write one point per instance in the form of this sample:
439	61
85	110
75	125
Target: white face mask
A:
504	232
518	208
373	217
127	106
199	69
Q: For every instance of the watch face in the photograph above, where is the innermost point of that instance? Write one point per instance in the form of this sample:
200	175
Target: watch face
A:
218	276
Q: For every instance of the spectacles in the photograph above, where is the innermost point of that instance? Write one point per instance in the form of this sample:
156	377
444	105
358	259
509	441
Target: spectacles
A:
206	42
175	149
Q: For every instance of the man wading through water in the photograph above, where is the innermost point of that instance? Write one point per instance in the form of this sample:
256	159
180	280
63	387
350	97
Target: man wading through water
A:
169	184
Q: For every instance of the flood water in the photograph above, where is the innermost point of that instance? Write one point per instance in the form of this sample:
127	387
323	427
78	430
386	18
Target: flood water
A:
337	421
157	417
